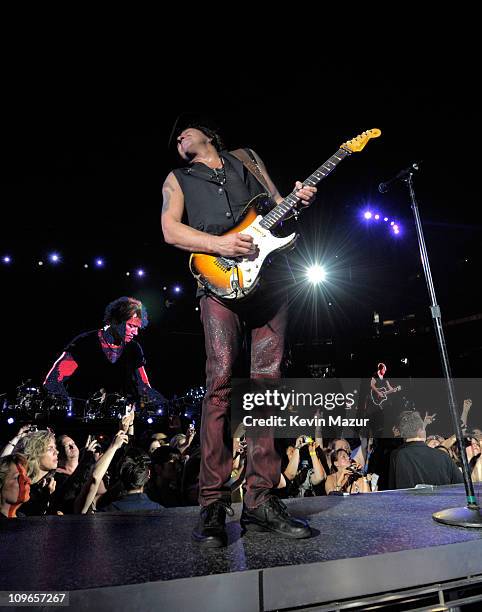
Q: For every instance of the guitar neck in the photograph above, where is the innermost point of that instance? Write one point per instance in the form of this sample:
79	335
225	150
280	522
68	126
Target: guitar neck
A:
281	210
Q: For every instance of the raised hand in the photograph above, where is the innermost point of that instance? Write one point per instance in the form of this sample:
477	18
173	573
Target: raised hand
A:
120	438
300	442
90	444
128	419
429	418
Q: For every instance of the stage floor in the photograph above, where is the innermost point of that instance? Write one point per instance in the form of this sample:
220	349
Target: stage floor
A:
362	545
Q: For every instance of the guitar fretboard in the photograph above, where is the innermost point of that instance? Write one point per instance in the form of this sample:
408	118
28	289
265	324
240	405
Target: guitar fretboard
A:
280	211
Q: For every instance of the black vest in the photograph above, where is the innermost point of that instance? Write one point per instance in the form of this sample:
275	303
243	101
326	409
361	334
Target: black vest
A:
212	206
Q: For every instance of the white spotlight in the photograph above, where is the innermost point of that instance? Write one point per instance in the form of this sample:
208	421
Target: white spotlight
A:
316	274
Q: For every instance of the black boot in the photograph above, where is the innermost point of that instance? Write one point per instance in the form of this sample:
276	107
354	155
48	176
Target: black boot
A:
210	531
273	516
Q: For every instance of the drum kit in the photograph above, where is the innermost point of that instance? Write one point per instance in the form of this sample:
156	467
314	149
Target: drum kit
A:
34	403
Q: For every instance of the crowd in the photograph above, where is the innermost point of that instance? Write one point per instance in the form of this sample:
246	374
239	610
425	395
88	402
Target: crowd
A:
44	473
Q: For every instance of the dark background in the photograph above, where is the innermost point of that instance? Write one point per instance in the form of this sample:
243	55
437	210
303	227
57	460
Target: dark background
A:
85	152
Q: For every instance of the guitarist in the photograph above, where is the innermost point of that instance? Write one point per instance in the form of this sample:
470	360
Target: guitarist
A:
213	190
378	382
382	418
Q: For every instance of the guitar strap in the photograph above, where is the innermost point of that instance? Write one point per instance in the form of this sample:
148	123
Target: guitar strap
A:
250	162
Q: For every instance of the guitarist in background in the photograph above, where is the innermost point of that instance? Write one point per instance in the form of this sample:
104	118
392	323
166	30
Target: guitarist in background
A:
378	382
213	190
376	408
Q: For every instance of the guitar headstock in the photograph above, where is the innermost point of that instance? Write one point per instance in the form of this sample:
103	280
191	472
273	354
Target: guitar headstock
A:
357	144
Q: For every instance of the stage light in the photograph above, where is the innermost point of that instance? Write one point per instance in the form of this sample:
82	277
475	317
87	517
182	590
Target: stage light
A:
128	273
316	274
54	257
377	216
164	288
99	263
404	360
86	266
159	411
150	420
368	215
140	272
392	223
40	263
69	414
10	420
197	308
396	231
7	259
385	219
177	289
395	227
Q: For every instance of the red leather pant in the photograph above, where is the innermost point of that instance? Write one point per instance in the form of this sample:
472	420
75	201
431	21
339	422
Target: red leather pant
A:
266	319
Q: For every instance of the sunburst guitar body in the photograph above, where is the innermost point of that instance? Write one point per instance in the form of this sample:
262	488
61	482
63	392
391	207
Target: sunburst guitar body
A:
236	278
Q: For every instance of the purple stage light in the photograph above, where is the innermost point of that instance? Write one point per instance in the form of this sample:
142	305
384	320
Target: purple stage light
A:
7	259
99	262
385	219
377	216
177	289
367	215
150	420
10	420
140	272
54	257
392	223
396	231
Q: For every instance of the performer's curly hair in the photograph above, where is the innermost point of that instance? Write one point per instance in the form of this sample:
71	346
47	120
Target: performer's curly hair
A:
123	309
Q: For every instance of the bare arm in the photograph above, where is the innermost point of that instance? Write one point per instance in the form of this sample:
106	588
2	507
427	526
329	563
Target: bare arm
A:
465	413
318	470
100	469
292	467
477	471
189	239
319	432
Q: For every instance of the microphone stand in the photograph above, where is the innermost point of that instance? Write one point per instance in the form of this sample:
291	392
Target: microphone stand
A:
469	515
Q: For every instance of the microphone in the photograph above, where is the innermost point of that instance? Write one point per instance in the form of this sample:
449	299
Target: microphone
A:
384	187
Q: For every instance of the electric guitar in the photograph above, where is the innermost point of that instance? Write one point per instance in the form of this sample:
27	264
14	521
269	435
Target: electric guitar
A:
378	401
236	278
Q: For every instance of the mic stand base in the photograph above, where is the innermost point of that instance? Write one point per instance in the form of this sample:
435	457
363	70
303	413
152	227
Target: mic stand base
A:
460	517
